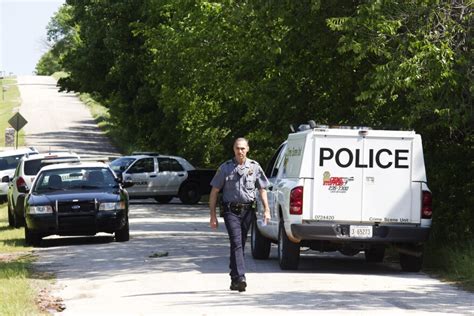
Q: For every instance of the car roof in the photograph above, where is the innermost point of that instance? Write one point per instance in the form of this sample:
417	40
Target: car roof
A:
148	156
51	155
78	165
19	151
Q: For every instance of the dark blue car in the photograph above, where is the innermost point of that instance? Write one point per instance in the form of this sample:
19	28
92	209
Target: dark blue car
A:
73	199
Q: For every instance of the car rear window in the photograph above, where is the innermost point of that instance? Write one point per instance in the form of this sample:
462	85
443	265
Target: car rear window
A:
10	162
32	167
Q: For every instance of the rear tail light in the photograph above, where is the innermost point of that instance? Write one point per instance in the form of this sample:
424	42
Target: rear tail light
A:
426	205
296	201
20	182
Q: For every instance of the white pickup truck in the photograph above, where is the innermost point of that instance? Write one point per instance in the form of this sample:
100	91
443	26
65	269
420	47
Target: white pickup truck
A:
346	190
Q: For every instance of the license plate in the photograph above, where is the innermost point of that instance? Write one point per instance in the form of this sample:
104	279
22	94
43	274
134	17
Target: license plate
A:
360	231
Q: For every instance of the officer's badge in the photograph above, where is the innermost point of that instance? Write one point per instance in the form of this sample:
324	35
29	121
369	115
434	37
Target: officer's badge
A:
250	172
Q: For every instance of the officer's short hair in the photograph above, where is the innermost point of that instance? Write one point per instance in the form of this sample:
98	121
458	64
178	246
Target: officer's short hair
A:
241	139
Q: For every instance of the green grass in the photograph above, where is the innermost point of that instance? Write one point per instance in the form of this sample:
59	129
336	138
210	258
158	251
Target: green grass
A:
9	101
17	283
452	263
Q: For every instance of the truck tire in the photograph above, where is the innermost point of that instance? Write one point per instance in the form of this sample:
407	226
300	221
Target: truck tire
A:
410	263
375	254
123	234
189	193
32	238
288	251
260	244
163	199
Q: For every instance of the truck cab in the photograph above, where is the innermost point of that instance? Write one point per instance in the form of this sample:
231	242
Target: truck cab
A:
347	190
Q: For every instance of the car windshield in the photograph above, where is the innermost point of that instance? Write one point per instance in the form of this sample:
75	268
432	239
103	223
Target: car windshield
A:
121	164
90	178
32	167
10	162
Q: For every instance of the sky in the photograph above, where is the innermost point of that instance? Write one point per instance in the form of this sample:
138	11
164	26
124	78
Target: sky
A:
22	33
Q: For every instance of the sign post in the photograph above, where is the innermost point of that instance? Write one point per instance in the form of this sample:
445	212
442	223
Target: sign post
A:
17	121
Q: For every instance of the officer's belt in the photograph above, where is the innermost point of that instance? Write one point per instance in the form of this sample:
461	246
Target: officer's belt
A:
238	207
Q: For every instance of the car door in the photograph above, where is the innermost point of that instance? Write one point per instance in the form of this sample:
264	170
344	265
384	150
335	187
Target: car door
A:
170	175
142	173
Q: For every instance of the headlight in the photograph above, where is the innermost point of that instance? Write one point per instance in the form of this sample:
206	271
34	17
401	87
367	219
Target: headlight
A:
112	206
41	209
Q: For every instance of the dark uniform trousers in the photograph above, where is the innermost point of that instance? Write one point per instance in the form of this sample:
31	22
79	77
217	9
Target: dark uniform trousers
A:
237	218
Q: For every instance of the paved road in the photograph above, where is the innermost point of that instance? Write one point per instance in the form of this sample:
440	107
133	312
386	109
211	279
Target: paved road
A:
59	121
97	276
100	276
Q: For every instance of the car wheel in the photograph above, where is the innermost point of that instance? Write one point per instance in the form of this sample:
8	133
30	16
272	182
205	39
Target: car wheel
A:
288	251
375	254
11	217
164	199
260	244
32	238
123	234
189	193
410	263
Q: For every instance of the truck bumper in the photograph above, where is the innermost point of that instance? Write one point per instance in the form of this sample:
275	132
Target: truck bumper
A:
340	232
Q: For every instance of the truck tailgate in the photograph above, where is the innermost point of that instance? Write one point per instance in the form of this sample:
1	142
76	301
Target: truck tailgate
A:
364	179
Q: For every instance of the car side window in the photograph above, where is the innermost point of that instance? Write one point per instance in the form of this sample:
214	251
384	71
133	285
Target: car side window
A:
143	165
169	164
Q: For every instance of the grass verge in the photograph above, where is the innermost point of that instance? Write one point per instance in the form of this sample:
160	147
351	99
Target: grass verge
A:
17	291
452	263
9	101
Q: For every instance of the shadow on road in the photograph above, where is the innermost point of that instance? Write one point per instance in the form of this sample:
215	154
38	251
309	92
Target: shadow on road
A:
84	138
185	244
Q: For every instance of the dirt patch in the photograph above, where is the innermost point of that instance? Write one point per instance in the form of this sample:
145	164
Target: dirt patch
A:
48	303
11	256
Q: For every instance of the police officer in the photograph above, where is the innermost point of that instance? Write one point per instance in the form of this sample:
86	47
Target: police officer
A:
239	178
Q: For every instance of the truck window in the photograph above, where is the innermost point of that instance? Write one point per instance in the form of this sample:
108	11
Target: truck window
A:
280	168
143	165
269	170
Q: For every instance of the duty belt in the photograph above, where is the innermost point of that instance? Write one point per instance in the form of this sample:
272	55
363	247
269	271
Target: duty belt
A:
238	207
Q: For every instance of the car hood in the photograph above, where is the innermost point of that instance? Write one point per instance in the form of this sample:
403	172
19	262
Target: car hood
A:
51	197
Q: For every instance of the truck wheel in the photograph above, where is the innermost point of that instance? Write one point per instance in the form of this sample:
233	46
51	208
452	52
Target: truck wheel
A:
31	238
164	199
375	254
189	193
123	234
288	251
260	244
410	263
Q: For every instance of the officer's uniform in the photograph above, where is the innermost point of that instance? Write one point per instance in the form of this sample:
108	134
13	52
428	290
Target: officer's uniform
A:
239	184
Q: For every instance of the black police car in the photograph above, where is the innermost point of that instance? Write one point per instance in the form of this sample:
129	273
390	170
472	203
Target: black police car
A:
76	199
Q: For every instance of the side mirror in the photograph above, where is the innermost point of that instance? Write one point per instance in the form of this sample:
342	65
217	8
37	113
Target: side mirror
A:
127	184
6	179
23	189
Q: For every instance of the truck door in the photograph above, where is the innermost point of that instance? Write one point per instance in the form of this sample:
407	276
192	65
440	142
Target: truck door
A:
387	186
337	180
272	172
141	173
